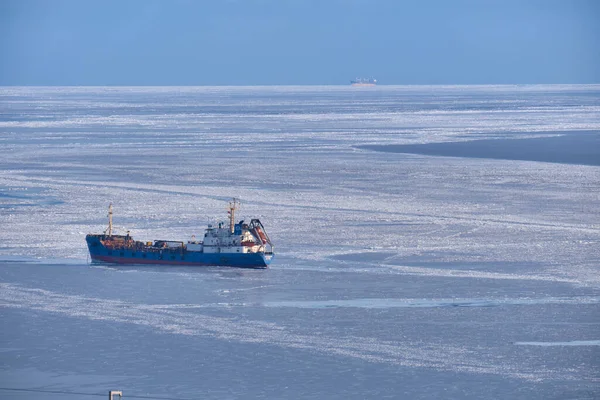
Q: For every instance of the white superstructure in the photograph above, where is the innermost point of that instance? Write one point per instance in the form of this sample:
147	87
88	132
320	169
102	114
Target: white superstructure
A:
235	238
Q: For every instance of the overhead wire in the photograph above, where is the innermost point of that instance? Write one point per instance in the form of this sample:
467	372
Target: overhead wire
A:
64	392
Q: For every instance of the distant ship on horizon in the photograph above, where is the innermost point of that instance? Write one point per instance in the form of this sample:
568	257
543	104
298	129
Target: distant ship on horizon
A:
364	82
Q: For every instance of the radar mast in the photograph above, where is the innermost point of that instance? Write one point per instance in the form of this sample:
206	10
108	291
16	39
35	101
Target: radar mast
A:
233	206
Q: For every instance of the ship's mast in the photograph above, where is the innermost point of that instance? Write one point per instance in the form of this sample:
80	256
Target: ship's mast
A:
233	205
110	213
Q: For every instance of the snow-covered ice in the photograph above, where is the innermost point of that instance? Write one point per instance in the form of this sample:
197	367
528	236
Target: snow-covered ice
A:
397	275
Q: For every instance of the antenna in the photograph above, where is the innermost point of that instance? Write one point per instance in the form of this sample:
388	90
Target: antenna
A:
233	206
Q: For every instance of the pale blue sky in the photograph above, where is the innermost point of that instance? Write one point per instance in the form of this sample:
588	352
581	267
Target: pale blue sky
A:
252	42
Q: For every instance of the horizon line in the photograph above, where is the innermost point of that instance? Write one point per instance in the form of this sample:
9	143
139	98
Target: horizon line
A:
306	85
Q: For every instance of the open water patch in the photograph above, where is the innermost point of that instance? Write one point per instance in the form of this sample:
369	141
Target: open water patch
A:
16	197
181	322
568	148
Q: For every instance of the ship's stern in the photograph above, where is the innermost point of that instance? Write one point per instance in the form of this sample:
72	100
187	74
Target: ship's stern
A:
267	258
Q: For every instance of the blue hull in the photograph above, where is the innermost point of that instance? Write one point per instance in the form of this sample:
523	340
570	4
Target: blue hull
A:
100	253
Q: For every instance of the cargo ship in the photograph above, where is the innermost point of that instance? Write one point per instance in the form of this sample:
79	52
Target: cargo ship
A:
364	82
241	244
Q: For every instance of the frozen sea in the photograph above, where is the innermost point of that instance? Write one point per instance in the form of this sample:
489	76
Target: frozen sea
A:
432	242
